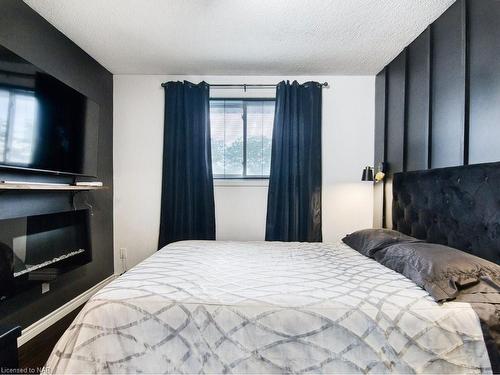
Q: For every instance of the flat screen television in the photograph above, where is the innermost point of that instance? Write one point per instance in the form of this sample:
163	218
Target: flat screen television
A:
45	125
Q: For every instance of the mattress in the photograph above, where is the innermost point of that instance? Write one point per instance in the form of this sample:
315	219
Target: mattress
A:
268	307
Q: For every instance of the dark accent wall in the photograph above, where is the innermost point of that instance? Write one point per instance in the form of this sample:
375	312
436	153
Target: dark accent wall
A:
438	101
418	104
395	122
484	80
27	34
447	85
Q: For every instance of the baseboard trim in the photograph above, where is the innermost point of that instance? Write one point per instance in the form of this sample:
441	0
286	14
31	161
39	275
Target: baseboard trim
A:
41	325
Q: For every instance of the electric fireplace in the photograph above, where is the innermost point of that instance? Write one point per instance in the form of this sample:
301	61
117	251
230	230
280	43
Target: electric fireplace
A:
38	248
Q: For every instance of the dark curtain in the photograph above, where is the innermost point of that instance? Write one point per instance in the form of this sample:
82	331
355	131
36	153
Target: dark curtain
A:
187	202
294	197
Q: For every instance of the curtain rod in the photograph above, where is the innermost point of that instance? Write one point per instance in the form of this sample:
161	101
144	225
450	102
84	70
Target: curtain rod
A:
245	86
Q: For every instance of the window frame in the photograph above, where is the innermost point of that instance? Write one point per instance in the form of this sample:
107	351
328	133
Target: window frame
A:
244	175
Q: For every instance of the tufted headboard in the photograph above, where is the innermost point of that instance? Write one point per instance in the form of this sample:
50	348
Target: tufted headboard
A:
457	206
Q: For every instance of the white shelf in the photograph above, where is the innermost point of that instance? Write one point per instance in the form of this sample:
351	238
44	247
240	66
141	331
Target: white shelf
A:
48	187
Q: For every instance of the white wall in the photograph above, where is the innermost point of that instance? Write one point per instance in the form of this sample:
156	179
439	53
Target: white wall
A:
348	128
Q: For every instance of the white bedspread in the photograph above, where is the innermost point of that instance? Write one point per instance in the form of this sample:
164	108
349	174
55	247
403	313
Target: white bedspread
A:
261	307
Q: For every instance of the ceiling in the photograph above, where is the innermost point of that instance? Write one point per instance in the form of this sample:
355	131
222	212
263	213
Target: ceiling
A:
241	37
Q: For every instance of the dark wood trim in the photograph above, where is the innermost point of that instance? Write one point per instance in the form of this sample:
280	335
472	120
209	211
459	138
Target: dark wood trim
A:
466	62
429	76
386	104
405	113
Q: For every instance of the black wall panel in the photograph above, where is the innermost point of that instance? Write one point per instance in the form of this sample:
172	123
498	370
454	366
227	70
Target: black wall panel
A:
448	88
380	110
484	58
396	77
395	126
30	36
417	103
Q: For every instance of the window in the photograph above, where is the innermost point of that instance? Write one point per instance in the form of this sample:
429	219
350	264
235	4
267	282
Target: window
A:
241	131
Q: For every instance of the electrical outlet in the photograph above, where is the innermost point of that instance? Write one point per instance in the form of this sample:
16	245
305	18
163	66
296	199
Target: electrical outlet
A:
123	253
123	257
45	288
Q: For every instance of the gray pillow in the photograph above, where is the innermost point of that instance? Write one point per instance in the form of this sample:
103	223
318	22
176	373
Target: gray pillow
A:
369	241
444	272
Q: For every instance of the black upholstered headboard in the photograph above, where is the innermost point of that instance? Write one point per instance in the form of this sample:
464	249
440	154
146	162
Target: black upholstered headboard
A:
457	206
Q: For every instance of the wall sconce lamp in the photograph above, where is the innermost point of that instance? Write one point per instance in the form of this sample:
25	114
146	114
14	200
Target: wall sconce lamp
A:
368	173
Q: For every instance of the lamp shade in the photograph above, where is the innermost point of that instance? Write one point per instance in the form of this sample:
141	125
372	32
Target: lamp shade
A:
367	174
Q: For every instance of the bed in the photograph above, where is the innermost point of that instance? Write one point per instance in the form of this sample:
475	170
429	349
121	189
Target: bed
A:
262	307
257	307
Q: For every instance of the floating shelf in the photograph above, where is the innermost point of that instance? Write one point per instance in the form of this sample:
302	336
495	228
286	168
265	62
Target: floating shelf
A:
48	187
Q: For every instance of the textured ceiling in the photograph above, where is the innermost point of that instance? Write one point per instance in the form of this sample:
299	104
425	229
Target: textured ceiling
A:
246	37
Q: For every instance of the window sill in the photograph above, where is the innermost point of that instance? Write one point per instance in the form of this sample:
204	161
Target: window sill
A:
242	182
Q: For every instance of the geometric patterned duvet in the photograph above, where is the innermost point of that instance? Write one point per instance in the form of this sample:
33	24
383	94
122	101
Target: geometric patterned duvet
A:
261	307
